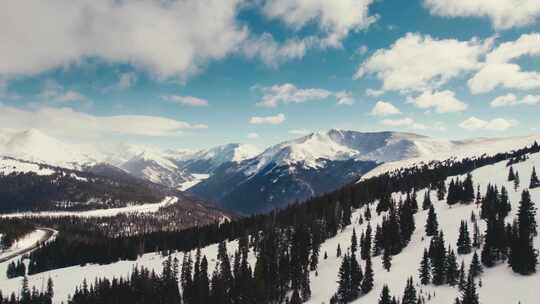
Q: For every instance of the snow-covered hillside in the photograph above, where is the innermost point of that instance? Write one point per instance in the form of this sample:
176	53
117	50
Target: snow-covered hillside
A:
499	284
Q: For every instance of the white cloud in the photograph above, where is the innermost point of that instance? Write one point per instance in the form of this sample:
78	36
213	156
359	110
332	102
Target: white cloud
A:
167	38
497	124
383	108
126	80
68	123
53	92
273	53
503	14
374	93
512	100
417	63
299	132
499	70
289	93
344	98
253	135
442	102
186	100
336	19
267	120
398	122
410	123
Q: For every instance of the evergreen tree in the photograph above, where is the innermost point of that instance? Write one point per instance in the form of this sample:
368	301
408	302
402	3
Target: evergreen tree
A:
344	280
427	200
464	240
356	277
432	225
468	189
476	268
437	254
409	295
441	190
385	297
523	257
516	181
387	260
365	246
535	182
295	298
469	295
338	250
462	282
511	174
476	236
354	242
425	269
367	282
452	272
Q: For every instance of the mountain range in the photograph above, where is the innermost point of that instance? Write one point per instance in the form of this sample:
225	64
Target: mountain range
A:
240	177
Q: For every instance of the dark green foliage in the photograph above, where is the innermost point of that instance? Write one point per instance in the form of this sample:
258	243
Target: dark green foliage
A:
409	295
387	260
426	203
535	182
523	257
385	297
452	272
432	225
476	268
365	245
437	253
469	295
464	240
16	269
367	282
425	269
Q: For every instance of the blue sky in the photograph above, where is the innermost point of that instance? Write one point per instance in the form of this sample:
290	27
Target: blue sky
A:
195	74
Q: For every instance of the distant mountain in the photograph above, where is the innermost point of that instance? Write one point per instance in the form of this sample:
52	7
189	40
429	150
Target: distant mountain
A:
308	166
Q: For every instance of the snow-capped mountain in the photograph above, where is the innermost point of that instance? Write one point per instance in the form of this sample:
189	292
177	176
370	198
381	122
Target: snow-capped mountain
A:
307	166
36	146
320	162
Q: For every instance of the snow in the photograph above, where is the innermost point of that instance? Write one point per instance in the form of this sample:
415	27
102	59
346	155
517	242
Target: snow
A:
144	208
197	178
27	241
499	284
456	150
9	165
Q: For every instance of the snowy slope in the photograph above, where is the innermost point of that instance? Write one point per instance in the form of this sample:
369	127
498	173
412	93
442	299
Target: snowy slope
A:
499	284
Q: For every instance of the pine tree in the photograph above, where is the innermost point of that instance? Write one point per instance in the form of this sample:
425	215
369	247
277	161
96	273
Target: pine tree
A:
356	277
425	269
535	182
295	298
365	246
409	295
468	189
476	268
464	240
469	295
385	297
354	242
476	236
452	272
387	260
338	250
441	190
344	280
427	200
511	174
432	225
367	282
462	283
523	258
516	181
438	259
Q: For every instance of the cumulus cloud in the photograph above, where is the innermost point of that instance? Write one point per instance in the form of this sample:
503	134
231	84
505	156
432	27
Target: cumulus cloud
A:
504	14
273	53
497	124
398	122
289	93
410	123
417	63
512	100
66	122
500	70
374	93
442	102
383	108
186	100
166	38
336	19
267	120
